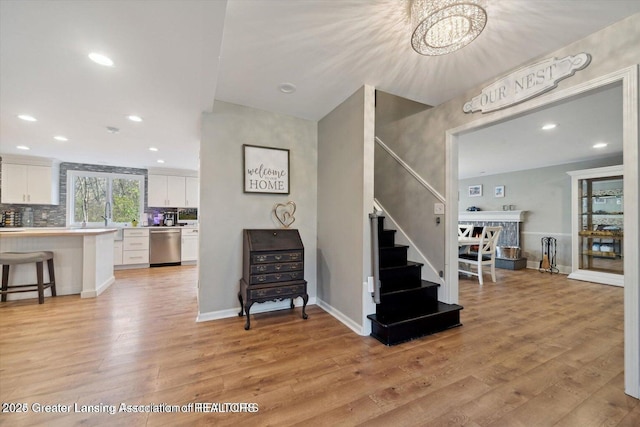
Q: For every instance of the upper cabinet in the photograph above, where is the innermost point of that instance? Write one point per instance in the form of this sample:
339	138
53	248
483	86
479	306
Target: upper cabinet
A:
31	184
192	192
598	225
172	191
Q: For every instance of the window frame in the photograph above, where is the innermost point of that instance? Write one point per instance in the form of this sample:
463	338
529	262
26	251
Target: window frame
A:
110	176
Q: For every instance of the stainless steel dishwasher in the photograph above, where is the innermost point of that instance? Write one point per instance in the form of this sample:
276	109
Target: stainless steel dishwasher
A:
164	246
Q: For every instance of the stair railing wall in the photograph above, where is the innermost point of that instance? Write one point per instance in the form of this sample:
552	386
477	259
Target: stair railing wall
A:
431	274
408	168
414	230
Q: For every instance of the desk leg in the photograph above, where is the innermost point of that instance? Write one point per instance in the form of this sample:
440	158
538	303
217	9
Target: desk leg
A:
241	304
305	298
247	307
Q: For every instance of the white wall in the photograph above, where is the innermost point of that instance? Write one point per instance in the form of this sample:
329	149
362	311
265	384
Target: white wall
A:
225	210
345	198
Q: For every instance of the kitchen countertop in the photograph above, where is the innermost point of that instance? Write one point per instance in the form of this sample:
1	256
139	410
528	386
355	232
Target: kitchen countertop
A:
53	231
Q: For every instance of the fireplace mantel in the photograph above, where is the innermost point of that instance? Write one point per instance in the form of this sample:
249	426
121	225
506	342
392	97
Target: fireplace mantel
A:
492	216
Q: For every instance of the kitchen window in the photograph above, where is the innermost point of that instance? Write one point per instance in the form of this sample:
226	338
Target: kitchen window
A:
94	196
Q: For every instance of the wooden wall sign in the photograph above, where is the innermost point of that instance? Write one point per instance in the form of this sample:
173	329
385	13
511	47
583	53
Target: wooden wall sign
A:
526	83
266	170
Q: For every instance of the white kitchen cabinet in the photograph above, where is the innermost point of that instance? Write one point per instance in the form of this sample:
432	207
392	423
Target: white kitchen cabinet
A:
192	192
29	184
135	246
117	252
166	191
189	251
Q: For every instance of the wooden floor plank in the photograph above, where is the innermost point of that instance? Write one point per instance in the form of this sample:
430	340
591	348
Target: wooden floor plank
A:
534	350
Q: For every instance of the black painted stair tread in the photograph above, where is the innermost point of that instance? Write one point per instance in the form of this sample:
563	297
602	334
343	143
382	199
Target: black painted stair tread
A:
400	319
393	256
424	284
409	306
402	329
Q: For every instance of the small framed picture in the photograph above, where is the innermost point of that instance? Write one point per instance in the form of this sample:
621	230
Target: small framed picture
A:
498	191
475	190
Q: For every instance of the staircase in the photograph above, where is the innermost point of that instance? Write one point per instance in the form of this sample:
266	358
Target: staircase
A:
409	306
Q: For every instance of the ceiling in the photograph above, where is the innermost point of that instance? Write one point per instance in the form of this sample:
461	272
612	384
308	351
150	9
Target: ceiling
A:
521	143
172	57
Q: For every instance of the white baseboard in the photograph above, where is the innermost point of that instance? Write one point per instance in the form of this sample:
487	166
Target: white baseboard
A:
358	329
256	308
101	288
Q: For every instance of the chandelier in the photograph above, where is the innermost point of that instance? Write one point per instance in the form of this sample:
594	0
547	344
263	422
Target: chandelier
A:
444	26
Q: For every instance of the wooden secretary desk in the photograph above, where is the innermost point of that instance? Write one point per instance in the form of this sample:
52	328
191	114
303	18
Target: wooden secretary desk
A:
272	269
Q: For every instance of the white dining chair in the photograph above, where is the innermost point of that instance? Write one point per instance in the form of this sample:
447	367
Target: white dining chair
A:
486	255
465	230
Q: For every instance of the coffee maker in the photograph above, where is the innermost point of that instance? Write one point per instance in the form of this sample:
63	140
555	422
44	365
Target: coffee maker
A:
169	219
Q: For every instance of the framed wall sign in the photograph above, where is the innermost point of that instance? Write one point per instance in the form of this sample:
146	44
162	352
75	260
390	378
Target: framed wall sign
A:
266	169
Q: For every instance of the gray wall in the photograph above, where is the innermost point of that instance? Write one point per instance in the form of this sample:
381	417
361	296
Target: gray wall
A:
545	195
225	210
400	125
345	198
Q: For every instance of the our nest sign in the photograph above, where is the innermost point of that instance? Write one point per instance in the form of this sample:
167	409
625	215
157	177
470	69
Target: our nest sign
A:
266	170
526	83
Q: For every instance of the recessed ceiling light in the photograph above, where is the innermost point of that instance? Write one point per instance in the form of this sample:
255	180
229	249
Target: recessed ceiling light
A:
160	161
549	126
27	118
101	59
287	88
60	138
112	129
600	145
153	149
22	147
135	118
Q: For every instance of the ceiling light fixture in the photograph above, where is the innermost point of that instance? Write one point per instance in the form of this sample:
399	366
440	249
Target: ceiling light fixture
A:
153	149
60	138
287	88
444	26
27	118
134	118
600	145
549	126
101	59
22	147
160	161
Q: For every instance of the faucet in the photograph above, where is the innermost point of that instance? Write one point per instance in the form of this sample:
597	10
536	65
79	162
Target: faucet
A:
107	213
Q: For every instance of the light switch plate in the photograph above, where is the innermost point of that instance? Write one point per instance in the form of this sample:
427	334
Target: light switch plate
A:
438	208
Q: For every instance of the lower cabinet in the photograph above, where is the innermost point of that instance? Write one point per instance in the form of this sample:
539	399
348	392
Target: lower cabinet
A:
135	246
117	252
189	251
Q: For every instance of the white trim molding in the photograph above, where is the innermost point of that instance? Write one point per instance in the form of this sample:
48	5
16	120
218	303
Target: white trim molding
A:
492	216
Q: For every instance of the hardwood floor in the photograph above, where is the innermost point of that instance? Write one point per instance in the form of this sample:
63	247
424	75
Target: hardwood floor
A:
535	350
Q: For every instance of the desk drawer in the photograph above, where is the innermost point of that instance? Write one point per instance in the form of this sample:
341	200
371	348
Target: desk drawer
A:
276	268
276	277
276	257
277	292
